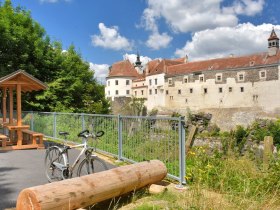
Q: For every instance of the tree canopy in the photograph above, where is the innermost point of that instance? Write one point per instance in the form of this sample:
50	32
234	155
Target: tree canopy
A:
25	45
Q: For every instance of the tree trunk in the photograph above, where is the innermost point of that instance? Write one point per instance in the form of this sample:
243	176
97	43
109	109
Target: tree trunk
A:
87	190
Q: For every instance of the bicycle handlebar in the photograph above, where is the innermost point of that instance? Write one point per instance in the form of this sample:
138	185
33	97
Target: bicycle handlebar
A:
87	134
82	133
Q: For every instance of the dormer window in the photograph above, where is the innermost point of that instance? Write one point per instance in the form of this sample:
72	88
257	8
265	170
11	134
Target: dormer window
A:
219	77
170	82
201	78
262	74
240	76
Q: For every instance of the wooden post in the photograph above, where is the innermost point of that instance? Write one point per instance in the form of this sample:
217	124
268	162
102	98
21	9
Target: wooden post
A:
4	104
190	137
11	98
268	150
18	105
84	191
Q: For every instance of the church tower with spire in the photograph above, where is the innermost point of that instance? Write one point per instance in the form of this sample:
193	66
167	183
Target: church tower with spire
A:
138	64
273	43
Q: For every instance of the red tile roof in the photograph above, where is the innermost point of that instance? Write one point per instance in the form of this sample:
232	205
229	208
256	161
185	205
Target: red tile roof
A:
161	67
123	68
224	63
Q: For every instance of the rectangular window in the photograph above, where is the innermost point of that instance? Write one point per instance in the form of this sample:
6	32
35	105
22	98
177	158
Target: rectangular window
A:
230	89
205	90
240	76
155	81
135	93
150	92
166	92
127	92
155	91
150	82
179	91
170	82
220	90
142	92
127	82
108	92
117	92
241	89
262	74
186	100
116	82
185	79
201	78
108	83
171	97
218	77
191	90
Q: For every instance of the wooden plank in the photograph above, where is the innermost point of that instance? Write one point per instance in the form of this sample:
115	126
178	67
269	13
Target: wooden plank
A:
87	190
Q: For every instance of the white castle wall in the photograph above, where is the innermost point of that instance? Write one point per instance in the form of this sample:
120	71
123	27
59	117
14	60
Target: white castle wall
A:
122	87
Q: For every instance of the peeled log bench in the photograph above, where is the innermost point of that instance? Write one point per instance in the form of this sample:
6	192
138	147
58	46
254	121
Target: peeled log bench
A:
86	190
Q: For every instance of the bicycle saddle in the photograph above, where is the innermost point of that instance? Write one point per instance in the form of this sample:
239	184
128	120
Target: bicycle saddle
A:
63	133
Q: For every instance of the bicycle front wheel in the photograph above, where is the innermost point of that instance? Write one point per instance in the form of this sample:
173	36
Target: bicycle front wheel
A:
53	155
92	165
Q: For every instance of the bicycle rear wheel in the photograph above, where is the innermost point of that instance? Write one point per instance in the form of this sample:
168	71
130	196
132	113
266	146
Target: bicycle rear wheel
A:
52	172
92	165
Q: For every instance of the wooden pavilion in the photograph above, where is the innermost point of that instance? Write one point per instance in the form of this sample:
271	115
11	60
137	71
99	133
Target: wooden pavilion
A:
18	81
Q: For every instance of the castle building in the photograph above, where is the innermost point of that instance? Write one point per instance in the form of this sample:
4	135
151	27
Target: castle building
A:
236	90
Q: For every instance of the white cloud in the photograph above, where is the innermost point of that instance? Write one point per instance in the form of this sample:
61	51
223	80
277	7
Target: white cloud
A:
157	41
100	70
246	7
223	41
132	58
190	16
111	39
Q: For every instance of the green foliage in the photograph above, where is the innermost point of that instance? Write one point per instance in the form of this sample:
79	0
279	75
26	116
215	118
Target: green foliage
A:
233	175
25	45
262	127
137	105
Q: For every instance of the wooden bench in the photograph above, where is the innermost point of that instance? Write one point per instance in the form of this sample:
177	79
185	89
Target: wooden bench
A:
34	135
3	138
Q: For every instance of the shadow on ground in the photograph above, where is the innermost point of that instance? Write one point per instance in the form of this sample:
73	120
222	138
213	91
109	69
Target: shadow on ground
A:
6	189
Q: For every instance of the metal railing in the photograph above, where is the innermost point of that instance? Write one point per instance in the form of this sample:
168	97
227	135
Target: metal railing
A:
129	138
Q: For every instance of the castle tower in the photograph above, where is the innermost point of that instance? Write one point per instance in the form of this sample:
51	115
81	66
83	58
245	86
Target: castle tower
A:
273	43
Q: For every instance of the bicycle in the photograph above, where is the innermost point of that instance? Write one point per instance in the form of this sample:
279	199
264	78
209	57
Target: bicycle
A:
57	165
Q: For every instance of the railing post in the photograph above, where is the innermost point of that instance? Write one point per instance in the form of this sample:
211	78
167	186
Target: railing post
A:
54	125
120	138
83	121
182	152
32	121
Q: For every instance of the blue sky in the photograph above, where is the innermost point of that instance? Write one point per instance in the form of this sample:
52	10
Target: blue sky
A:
106	31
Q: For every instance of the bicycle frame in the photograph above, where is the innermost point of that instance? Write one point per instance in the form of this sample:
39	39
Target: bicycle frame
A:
72	167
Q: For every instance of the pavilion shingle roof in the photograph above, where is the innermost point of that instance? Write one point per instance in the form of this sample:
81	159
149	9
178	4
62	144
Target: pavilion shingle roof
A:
123	68
224	63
